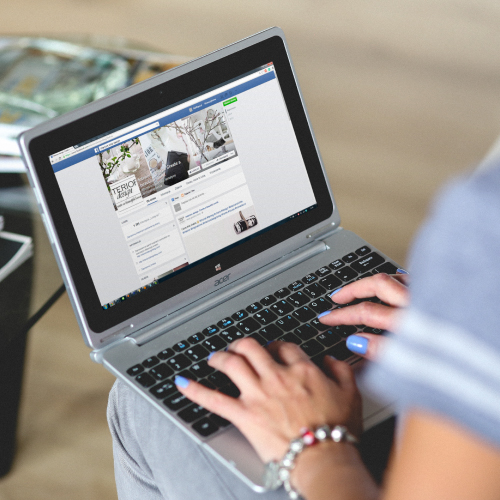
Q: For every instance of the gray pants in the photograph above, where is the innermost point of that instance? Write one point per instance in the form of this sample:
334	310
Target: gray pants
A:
154	460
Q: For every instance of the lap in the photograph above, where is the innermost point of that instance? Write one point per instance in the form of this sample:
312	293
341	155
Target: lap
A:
155	460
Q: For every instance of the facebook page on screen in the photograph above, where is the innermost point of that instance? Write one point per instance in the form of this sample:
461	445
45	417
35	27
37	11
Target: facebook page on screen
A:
152	198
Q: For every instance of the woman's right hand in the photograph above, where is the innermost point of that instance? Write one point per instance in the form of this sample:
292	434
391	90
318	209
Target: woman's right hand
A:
390	289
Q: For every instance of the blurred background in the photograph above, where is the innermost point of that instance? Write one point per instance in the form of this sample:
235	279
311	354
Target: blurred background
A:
402	94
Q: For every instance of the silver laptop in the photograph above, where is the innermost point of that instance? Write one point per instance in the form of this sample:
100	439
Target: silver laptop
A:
191	210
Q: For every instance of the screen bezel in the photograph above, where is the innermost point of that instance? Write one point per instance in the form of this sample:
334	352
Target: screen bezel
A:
167	91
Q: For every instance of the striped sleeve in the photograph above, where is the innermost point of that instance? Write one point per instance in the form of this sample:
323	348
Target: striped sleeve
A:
445	355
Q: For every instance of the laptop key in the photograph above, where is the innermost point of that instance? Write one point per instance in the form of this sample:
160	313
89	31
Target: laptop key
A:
366	263
268	300
281	308
219	379
323	271
344	330
206	384
339	351
239	315
287	323
314	291
187	374
309	278
218	420
387	268
328	338
162	390
231	334
161	371
150	362
201	369
330	282
197	353
181	346
178	362
296	285
298	299
305	332
176	401
320	305
145	379
312	347
259	338
271	332
224	323
346	274
214	343
337	264
192	413
265	316
205	427
230	390
350	257
166	353
197	337
248	325
290	337
364	250
254	307
282	293
318	325
210	330
135	370
304	314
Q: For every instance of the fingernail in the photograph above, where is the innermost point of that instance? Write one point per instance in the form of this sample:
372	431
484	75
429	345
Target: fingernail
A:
401	271
357	344
336	291
323	314
210	355
181	381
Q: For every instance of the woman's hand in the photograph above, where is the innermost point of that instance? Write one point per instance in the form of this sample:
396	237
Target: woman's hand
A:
282	392
391	290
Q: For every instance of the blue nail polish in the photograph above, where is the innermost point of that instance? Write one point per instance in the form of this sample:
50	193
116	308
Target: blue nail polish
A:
357	344
210	355
336	291
401	271
181	381
323	314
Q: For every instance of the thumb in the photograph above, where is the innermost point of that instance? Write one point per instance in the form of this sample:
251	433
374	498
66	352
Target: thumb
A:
365	344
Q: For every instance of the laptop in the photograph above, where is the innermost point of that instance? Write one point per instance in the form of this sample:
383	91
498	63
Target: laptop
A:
188	211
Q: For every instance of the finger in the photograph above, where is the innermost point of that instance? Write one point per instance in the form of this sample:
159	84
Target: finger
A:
364	313
258	358
287	352
340	371
383	286
365	344
236	367
212	400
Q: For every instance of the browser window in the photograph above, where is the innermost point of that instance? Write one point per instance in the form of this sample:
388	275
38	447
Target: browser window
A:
164	193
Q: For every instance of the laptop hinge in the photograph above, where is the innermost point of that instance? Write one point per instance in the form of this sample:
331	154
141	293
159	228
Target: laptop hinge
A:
243	284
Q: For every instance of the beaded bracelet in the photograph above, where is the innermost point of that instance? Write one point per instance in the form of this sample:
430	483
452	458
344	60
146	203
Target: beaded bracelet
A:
278	473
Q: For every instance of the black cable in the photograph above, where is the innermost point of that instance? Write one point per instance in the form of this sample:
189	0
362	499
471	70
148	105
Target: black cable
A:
31	322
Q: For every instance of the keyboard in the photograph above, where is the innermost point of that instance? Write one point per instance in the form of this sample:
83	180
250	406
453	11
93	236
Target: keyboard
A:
290	314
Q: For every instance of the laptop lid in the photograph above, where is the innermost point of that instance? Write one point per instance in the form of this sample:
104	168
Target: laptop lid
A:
179	186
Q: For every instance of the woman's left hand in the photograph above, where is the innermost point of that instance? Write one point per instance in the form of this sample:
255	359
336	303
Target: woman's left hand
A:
282	392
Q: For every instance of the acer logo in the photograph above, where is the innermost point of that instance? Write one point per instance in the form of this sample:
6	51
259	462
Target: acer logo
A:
222	280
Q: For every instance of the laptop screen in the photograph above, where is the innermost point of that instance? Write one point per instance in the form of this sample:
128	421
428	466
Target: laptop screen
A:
159	191
173	189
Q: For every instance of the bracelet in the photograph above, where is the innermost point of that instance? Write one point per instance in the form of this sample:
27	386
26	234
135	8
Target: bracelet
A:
278	473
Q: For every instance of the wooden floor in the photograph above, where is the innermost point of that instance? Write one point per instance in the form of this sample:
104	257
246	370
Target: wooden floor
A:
402	94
